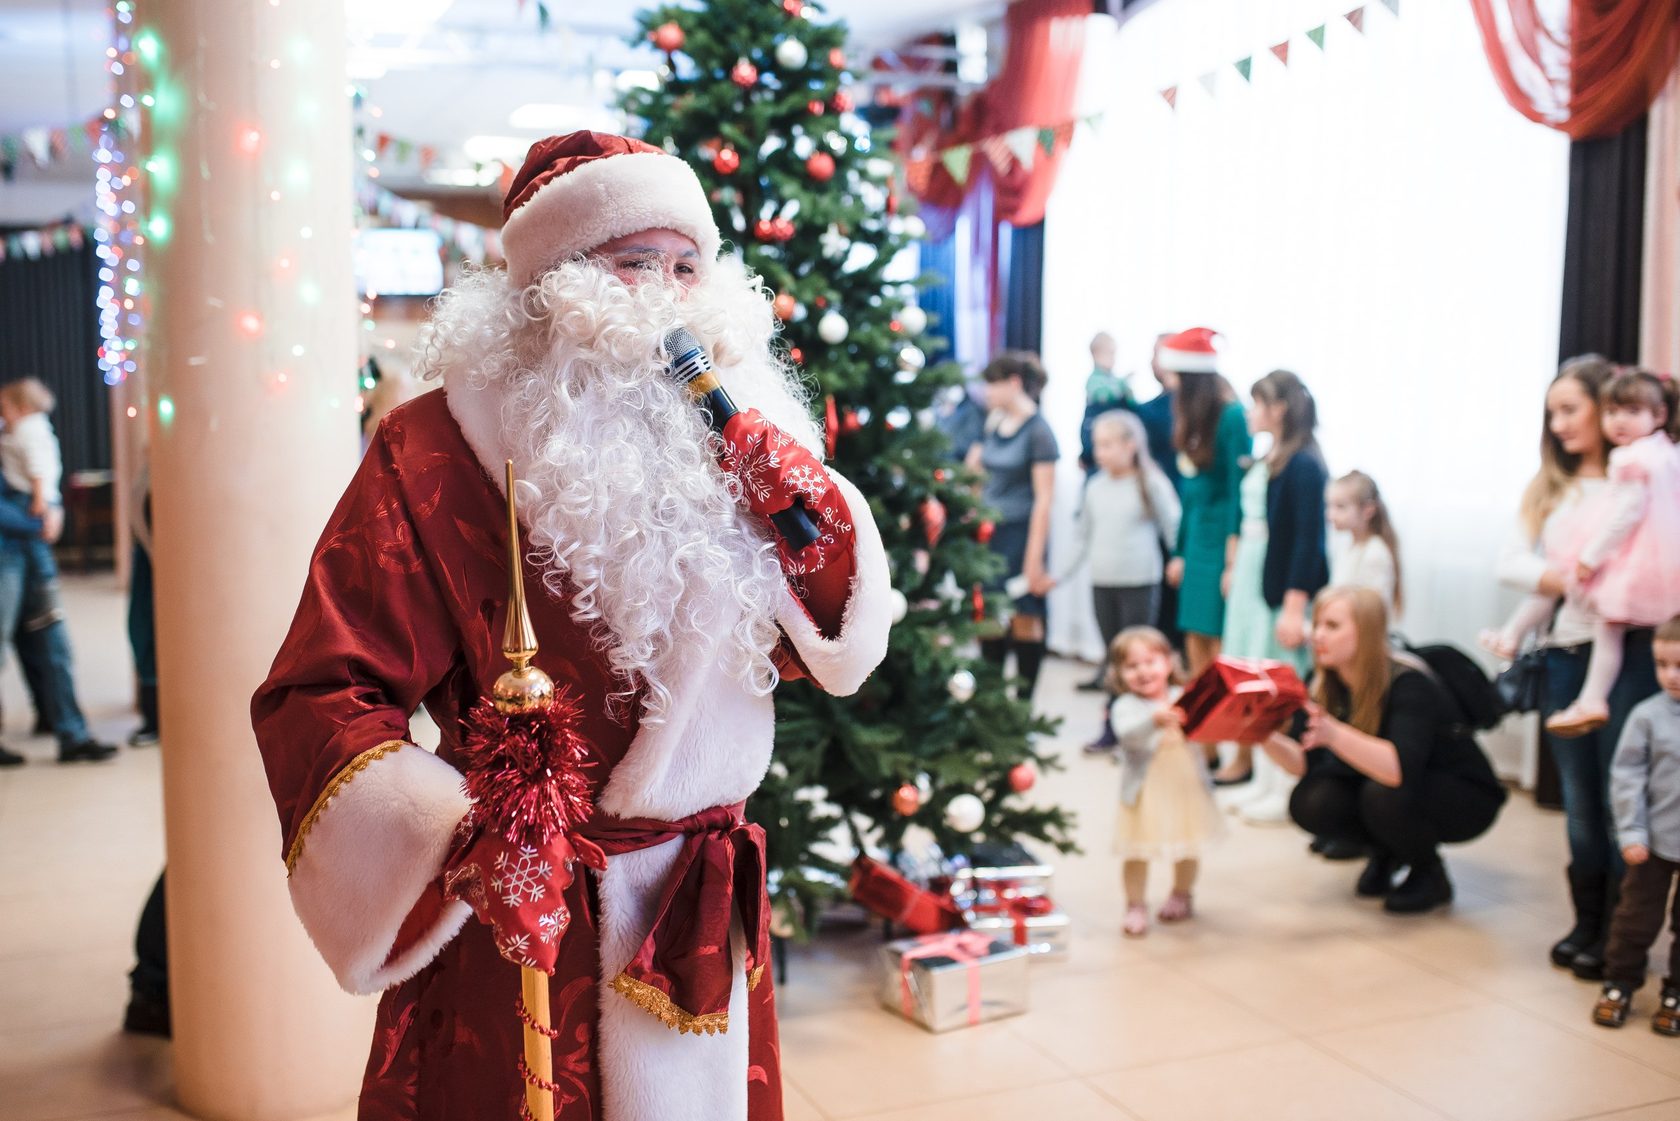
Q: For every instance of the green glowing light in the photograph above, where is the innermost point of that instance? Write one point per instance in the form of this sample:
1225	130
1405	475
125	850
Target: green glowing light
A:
149	47
162	170
157	228
166	409
367	383
147	100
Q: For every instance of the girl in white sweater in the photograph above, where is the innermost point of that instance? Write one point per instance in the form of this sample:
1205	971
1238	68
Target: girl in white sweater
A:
1371	556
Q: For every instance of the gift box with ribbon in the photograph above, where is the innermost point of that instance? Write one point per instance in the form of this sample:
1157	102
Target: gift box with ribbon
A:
989	871
1031	922
953	980
1240	699
884	892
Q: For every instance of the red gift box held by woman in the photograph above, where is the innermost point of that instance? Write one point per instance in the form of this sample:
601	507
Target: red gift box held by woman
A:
1240	699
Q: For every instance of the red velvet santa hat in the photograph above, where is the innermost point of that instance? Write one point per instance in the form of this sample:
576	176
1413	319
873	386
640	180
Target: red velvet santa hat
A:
580	190
1190	352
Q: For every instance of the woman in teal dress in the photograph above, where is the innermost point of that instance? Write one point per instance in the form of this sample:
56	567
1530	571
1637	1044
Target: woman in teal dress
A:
1211	436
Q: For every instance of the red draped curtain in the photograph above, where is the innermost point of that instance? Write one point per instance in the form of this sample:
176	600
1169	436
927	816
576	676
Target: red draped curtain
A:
1037	86
1587	67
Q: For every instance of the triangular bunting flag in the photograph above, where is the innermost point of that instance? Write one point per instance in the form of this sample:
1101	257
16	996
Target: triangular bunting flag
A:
1393	6
1245	66
1064	133
1316	34
1209	80
1357	18
428	156
382	143
1047	140
1281	52
1170	96
917	173
956	161
996	150
404	150
1023	145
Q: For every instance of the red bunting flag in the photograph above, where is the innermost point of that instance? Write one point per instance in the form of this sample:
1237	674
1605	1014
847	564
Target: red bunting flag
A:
1064	133
1281	52
382	143
428	156
997	150
1170	96
1357	18
918	173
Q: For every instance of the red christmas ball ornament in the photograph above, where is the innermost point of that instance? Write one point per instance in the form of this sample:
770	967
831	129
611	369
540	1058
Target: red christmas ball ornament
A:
892	201
799	356
979	601
793	7
783	229
850	422
820	167
940	474
668	37
764	230
906	800
1022	776
744	75
815	108
983	532
841	101
784	305
933	519
821	301
727	161
896	326
837	58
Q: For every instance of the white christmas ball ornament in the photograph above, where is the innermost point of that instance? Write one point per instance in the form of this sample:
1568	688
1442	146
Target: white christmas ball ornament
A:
914	227
913	319
900	606
965	813
791	54
961	686
911	359
832	328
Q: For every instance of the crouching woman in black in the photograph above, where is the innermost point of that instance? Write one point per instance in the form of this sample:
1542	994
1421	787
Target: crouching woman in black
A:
1382	759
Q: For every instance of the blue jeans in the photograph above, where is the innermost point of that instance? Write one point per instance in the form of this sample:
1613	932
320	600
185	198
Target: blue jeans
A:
48	643
1583	763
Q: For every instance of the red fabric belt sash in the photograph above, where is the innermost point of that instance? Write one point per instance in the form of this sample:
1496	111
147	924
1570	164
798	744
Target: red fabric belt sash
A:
683	970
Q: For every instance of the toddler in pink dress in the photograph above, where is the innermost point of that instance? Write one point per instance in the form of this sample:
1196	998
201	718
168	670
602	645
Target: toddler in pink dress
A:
1626	563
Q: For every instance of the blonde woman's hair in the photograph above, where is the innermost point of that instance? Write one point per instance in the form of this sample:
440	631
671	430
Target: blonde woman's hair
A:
28	395
1136	636
1558	467
1364	490
1372	663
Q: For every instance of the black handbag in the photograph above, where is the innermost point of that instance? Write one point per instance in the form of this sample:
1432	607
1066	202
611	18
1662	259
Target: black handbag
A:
1522	684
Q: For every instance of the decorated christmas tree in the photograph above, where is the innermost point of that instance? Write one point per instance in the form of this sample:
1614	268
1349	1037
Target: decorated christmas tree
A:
755	95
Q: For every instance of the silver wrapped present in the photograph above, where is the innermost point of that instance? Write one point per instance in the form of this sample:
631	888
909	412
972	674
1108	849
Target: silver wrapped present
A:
953	980
988	870
1046	935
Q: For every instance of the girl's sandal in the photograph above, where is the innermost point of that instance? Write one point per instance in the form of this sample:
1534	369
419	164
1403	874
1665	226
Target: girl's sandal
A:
1136	923
1176	908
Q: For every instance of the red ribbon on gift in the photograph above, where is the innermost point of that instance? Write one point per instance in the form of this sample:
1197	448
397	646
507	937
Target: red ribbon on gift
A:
1008	900
966	947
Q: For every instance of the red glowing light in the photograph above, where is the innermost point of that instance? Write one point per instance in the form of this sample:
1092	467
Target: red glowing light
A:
250	141
251	323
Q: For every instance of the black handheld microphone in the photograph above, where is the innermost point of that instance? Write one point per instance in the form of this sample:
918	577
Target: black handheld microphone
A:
691	366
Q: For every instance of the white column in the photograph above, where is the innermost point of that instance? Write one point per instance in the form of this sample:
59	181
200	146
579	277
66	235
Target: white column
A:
253	430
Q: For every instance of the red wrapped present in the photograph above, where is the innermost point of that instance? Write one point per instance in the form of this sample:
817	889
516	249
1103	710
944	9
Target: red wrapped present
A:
1241	699
884	892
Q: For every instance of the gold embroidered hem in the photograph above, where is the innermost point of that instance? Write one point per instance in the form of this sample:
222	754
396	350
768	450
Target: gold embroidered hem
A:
754	976
661	1008
350	770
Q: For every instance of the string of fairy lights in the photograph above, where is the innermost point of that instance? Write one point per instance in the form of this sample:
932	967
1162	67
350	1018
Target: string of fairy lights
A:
118	236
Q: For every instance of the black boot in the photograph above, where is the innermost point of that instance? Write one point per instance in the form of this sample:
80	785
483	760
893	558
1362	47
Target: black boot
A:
1586	893
1378	878
147	734
1425	888
1588	965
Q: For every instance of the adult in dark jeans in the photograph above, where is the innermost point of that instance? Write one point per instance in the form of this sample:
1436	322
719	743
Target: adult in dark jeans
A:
29	598
1573	455
1381	759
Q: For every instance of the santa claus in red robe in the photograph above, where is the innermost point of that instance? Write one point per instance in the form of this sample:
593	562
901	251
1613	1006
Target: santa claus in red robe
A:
662	597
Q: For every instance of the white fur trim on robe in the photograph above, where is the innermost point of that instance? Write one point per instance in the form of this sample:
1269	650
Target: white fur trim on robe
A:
647	1069
368	857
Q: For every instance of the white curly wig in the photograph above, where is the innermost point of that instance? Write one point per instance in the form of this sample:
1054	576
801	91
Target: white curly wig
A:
638	529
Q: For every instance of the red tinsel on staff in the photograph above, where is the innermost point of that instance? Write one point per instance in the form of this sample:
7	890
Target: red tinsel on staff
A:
525	770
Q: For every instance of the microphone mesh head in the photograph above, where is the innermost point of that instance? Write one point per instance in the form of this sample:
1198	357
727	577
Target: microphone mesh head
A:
688	359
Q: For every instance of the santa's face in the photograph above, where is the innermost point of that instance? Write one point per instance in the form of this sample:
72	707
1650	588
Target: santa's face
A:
662	255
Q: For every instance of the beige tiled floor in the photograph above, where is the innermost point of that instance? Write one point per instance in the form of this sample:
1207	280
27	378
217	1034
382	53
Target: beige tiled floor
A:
1286	998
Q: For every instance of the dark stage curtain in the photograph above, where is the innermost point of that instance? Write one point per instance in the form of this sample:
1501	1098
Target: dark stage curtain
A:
49	329
1023	314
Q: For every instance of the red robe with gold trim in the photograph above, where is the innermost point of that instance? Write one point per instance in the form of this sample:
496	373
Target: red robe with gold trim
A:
404	605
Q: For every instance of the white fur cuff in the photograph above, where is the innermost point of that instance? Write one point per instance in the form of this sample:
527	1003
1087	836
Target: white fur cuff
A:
841	664
369	852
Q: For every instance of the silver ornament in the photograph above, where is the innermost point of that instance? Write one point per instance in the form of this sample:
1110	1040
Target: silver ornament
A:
832	328
791	54
961	686
965	813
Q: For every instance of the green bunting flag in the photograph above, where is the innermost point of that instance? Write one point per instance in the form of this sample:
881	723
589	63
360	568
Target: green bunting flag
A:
1316	34
1047	140
1245	66
956	161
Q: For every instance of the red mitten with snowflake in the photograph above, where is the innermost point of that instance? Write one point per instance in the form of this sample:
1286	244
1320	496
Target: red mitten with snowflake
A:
775	472
517	890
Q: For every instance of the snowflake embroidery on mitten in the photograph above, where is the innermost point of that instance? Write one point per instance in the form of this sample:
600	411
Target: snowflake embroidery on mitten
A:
553	924
521	880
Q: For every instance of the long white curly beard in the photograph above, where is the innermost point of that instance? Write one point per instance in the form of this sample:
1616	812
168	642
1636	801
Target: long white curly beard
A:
639	530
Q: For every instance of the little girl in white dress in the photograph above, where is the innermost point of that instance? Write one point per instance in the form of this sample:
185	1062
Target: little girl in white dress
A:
1167	810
